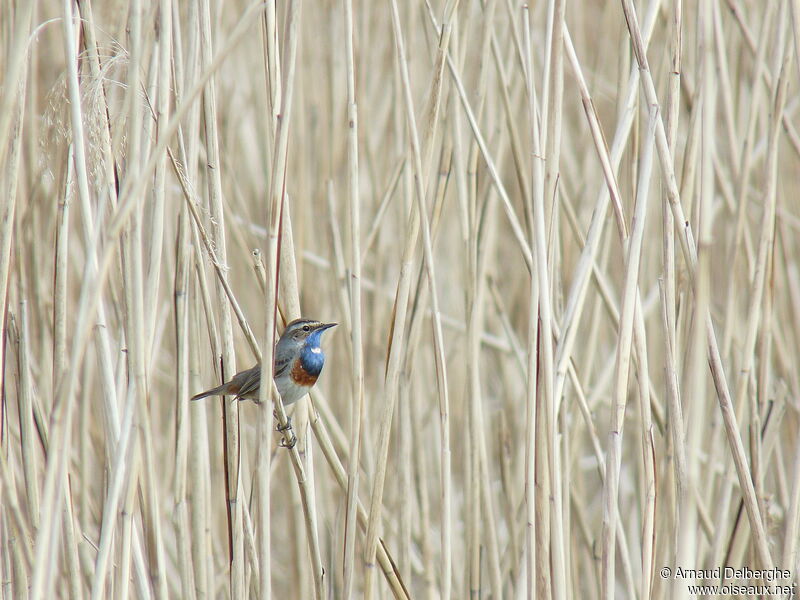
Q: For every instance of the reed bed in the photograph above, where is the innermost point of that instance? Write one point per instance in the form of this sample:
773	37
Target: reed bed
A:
560	240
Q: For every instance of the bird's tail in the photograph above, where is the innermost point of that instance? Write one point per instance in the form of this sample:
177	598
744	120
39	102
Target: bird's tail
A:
212	392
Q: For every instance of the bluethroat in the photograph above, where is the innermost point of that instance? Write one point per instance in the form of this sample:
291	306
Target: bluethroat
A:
297	365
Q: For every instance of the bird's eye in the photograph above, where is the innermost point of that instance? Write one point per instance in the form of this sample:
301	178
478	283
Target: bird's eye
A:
306	328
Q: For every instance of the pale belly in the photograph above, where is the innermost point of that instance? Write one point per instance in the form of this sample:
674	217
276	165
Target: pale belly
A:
290	391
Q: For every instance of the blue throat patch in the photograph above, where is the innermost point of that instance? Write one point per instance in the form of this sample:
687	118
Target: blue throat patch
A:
312	361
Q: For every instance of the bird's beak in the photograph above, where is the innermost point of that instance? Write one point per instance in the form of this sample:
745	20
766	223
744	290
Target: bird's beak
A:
325	326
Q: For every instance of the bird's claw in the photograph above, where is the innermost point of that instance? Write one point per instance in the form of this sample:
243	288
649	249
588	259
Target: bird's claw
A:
286	427
288	443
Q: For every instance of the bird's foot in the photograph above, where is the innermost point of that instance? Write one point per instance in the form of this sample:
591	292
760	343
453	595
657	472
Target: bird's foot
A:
290	442
289	439
282	428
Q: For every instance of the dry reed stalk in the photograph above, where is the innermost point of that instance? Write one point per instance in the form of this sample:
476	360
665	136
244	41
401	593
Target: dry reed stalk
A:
457	232
399	312
354	292
15	79
631	307
550	143
43	580
267	273
690	255
281	262
231	426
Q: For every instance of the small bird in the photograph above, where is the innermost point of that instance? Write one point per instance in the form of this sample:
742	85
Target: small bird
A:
297	365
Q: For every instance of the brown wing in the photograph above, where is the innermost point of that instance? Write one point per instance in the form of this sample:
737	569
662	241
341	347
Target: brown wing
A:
246	383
